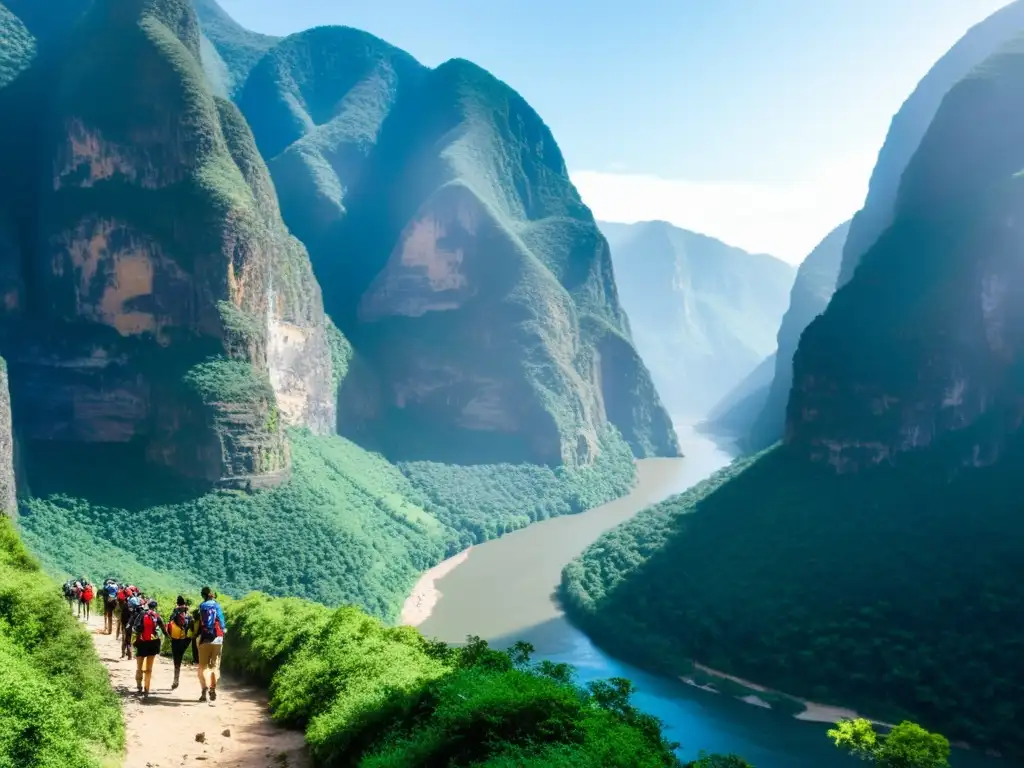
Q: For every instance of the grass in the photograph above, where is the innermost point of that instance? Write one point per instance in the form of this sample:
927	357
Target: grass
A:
57	709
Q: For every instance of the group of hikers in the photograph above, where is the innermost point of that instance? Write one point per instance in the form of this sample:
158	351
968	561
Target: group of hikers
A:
140	626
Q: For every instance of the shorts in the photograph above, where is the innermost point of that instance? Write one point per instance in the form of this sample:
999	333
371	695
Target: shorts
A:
209	656
147	648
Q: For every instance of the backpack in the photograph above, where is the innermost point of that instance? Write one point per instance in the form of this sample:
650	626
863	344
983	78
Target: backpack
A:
87	593
111	590
147	624
209	622
181	623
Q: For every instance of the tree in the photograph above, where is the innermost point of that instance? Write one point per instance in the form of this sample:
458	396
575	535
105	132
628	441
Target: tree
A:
908	745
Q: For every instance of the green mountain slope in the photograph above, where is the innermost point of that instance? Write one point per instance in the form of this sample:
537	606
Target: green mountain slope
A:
229	51
875	558
703	314
455	254
910	123
171	361
815	283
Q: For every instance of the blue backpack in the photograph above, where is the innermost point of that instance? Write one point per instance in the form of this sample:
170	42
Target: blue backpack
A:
111	590
209	622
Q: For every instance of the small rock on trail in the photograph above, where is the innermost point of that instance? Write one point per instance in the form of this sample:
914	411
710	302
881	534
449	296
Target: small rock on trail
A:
165	731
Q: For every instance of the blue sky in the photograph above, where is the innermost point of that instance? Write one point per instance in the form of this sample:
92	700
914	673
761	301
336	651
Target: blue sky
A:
756	121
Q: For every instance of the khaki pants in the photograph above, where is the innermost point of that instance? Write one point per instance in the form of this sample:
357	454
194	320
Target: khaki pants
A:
144	671
209	664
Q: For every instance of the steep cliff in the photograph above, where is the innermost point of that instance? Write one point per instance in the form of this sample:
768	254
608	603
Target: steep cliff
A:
813	288
455	255
910	123
703	314
922	351
874	559
154	296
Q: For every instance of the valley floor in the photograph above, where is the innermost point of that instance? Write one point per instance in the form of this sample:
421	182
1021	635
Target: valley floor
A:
238	731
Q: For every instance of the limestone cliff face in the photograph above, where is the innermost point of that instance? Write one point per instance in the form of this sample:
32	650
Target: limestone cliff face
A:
922	347
166	306
454	253
911	122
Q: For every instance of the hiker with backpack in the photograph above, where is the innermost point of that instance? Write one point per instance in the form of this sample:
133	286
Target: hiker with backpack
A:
211	642
128	614
181	629
147	626
69	594
110	590
85	599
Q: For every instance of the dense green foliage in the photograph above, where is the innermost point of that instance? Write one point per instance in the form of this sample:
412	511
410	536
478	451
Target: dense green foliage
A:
882	590
907	745
228	381
369	696
347	527
703	314
344	528
486	500
57	709
229	50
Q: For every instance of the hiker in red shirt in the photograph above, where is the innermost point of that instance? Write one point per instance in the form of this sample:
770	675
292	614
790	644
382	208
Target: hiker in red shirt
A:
147	626
85	601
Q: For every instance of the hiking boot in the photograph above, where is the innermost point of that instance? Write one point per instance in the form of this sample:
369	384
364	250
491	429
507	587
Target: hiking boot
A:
145	697
202	696
175	683
213	694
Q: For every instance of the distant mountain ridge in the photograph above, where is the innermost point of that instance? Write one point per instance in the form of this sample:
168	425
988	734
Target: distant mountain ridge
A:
703	314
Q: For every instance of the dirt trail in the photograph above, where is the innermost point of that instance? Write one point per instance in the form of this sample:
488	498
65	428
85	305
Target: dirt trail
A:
162	732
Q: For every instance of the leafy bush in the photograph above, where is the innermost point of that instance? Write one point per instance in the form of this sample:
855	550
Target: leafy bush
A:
374	696
57	709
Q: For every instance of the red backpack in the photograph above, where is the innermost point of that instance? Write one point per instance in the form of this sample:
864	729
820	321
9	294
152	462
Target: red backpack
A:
150	621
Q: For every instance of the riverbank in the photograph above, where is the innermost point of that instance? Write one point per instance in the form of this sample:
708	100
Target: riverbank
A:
420	603
813	712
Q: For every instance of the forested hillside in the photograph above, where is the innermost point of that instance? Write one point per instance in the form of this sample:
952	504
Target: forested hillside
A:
171	360
874	558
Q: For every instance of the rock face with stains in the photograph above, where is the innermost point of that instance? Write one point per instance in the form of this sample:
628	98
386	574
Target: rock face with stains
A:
153	296
923	347
454	253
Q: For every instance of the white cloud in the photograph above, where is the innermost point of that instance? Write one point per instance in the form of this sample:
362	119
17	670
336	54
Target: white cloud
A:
785	220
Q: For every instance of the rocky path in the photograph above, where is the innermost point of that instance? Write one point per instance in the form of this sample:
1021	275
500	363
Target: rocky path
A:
174	729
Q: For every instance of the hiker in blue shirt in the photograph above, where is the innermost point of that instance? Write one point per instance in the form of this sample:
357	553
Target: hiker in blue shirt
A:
212	627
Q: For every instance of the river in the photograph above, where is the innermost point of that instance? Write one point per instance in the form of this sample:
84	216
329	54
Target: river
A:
505	591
